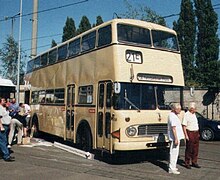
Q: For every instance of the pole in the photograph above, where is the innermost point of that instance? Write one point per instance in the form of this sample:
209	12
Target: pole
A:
34	29
19	53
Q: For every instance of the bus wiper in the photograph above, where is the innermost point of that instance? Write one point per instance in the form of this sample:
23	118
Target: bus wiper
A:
132	104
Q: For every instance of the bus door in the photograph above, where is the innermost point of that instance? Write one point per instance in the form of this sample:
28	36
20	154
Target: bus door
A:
70	112
104	115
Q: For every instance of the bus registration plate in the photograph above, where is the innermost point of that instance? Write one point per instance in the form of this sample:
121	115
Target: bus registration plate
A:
133	56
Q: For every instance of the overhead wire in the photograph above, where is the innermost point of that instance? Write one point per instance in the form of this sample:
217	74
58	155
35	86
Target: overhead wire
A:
71	4
42	37
177	14
46	10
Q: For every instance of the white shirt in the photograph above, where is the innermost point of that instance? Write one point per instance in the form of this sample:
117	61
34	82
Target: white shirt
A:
190	121
27	108
6	119
173	120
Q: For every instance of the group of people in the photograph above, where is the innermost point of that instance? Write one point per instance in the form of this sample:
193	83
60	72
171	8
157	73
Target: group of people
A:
13	117
187	130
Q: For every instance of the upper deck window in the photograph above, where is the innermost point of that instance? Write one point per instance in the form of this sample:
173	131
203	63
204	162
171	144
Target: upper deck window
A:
74	47
30	66
105	36
88	41
37	62
133	34
62	52
43	59
52	56
165	40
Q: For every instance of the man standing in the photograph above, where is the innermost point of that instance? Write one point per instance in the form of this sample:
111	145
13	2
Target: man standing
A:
13	108
5	121
191	131
175	133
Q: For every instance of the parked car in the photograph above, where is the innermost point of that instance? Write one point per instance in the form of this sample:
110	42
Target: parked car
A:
209	129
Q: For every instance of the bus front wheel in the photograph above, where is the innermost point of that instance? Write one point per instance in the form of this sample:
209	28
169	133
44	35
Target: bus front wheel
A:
84	138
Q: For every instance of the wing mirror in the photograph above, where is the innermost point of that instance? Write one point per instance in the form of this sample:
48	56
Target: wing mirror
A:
117	87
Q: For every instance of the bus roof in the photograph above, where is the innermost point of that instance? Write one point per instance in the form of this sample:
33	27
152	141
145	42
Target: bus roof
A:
149	25
6	82
142	23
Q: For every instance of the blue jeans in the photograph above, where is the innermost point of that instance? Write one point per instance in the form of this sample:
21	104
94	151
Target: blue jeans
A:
4	142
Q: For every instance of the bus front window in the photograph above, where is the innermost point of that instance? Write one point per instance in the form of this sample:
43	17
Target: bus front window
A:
145	97
167	95
164	40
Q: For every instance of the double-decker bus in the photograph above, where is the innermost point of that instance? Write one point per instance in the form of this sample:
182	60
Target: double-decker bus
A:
7	89
108	88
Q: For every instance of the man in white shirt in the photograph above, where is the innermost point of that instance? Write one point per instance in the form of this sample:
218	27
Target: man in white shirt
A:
5	121
191	131
175	133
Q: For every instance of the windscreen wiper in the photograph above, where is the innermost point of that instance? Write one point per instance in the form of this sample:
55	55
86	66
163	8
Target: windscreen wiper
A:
132	104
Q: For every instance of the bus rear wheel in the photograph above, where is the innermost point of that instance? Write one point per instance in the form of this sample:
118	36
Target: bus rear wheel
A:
35	127
84	138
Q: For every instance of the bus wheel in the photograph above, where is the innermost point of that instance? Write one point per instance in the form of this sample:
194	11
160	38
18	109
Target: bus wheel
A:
35	127
84	138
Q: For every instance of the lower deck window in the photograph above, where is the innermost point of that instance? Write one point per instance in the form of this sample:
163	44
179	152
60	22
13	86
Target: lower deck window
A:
85	95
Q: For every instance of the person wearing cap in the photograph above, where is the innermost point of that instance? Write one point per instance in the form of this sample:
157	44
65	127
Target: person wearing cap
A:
191	131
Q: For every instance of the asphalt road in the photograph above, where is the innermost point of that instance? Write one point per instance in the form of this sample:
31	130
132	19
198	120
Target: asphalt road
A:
44	161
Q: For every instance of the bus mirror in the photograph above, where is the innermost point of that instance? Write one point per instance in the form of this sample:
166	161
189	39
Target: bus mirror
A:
117	87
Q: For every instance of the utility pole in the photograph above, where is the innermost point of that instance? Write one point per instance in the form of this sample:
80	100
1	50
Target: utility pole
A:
19	54
34	29
12	22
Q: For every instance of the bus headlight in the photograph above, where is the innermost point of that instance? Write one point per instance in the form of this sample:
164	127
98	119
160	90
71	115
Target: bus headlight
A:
131	131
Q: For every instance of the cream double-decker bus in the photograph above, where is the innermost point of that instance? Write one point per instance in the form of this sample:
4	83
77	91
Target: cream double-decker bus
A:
109	88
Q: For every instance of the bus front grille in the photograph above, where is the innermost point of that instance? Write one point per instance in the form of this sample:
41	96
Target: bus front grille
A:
152	129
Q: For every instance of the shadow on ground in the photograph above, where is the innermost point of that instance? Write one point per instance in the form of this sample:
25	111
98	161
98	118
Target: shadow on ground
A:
158	157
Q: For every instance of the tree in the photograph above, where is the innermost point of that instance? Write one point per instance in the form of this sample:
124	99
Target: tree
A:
69	30
53	43
207	44
99	20
143	13
186	31
84	25
9	59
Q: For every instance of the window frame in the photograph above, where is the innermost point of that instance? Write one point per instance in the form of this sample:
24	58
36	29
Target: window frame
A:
85	96
104	32
87	39
62	49
75	45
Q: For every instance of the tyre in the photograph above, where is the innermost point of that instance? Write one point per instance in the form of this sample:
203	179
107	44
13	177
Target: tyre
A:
84	138
35	127
207	134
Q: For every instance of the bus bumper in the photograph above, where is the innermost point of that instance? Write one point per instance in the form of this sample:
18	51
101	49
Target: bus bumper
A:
129	146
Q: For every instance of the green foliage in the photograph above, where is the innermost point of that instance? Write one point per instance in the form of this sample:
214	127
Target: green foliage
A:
69	30
99	20
143	13
84	25
9	60
186	31
53	43
207	44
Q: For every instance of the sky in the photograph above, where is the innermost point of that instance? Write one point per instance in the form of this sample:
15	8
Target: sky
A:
51	23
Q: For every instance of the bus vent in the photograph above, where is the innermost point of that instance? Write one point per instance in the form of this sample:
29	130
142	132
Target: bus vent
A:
152	129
